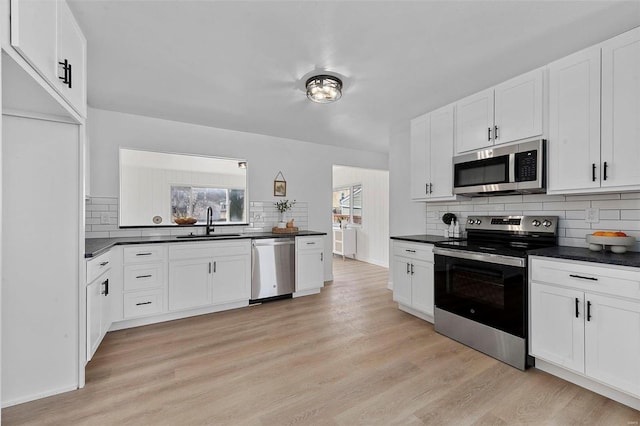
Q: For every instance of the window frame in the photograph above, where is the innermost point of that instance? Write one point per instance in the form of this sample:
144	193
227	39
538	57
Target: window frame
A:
351	189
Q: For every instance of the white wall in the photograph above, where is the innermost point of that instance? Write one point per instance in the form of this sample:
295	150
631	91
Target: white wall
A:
307	167
372	237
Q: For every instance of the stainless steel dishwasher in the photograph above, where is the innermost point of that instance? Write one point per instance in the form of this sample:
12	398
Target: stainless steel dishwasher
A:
273	272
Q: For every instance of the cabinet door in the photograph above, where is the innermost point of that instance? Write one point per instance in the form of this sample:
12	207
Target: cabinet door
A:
621	109
474	122
189	283
309	270
612	342
574	121
33	34
72	47
557	333
518	108
94	317
418	159
441	151
231	279
402	280
422	286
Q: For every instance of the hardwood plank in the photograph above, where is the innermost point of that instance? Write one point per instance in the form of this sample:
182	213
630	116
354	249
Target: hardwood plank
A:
345	356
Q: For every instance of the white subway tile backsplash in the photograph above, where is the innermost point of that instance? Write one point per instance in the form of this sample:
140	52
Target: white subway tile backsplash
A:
266	211
616	212
617	204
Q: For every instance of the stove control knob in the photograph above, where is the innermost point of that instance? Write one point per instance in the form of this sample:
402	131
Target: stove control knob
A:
478	221
546	223
471	221
535	222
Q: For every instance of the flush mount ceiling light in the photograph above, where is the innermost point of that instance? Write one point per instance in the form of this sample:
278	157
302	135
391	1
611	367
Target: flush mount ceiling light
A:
324	89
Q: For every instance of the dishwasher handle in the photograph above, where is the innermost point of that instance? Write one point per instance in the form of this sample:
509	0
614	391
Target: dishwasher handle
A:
273	243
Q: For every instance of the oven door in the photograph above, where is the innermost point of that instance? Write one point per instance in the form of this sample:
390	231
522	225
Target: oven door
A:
486	288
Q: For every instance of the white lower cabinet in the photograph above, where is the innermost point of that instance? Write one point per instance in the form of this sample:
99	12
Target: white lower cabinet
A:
144	280
412	272
205	274
98	301
586	319
309	263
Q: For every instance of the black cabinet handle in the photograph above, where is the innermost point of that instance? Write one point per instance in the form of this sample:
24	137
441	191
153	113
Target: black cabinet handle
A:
495	133
407	267
489	135
106	287
426	188
412	269
209	267
430	188
577	304
310	243
410	251
321	257
104	263
583	278
143	303
66	78
593	172
144	254
144	276
604	172
588	311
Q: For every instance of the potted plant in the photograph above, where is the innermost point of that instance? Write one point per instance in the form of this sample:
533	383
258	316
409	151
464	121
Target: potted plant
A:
283	207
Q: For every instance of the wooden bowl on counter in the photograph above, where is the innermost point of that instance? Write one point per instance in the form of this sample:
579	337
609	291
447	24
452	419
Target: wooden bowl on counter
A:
185	220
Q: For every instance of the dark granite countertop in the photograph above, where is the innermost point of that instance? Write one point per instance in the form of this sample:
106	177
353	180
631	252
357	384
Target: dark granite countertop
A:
578	253
424	238
96	246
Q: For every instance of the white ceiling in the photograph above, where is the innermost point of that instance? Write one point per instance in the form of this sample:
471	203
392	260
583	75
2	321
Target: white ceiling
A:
241	65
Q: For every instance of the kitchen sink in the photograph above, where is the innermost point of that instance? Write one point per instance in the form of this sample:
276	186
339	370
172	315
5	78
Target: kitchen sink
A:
206	237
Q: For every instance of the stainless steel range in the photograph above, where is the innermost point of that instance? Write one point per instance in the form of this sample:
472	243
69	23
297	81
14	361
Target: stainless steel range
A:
481	284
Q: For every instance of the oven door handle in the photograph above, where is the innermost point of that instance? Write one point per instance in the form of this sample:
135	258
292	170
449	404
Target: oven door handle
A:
482	257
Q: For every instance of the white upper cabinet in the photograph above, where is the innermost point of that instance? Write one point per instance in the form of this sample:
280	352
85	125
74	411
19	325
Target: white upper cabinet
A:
574	121
33	33
594	106
432	137
518	108
508	112
72	51
621	110
418	157
46	34
474	122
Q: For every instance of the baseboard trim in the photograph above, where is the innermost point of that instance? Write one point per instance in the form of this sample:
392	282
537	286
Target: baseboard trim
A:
39	395
416	313
587	383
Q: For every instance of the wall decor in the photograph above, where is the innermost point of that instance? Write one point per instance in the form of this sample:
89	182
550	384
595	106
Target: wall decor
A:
279	186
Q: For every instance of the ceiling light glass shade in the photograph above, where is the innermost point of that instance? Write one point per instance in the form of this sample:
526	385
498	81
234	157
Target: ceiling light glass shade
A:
324	89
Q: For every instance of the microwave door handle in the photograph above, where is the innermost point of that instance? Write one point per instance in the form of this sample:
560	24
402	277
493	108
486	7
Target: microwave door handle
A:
512	167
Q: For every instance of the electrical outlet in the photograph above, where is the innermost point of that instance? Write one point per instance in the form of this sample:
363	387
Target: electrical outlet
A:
104	218
592	215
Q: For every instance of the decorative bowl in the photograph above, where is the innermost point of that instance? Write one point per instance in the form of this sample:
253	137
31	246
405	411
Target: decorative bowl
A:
616	244
185	220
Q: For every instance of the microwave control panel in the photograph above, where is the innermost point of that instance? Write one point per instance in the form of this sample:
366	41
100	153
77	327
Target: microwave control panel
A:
526	166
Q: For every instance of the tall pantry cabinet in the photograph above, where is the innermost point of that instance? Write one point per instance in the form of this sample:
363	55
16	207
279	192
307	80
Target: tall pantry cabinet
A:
43	295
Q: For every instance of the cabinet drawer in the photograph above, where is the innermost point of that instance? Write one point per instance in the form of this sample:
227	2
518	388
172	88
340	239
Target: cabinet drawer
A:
98	265
309	243
615	281
142	303
202	250
417	251
143	276
146	253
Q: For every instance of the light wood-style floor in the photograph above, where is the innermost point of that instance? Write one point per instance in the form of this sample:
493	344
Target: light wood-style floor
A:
344	357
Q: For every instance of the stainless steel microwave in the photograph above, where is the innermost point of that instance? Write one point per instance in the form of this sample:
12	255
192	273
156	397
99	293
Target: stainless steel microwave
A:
512	169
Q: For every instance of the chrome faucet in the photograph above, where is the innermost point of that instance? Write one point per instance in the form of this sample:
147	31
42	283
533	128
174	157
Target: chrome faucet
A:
209	229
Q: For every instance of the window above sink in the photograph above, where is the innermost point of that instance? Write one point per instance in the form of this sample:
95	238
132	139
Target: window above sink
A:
170	189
